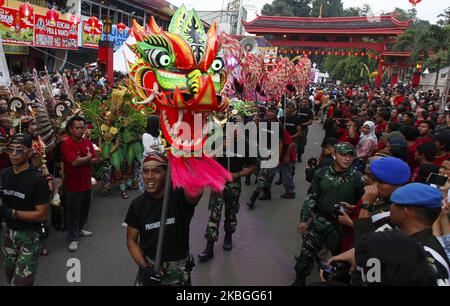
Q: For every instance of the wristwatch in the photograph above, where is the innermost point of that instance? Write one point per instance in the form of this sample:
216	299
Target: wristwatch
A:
367	207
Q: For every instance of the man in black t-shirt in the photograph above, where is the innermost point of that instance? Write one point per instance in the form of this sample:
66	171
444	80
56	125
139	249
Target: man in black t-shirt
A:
267	130
305	117
239	164
25	195
292	122
143	220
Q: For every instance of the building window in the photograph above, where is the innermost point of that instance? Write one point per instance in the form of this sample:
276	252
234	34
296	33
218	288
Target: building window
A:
85	8
95	11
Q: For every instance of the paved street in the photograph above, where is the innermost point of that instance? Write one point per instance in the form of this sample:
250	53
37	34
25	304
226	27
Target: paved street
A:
265	243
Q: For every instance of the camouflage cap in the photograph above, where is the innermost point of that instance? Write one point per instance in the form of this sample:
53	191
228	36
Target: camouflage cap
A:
345	148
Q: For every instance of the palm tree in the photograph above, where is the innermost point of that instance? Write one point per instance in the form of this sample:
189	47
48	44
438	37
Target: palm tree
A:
431	42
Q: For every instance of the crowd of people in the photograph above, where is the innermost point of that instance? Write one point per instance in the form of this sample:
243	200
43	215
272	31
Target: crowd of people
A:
379	189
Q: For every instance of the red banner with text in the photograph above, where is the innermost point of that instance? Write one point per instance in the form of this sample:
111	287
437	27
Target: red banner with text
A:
59	34
14	29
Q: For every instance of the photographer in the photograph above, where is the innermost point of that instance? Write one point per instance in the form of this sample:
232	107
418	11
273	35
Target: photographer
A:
143	220
414	210
319	224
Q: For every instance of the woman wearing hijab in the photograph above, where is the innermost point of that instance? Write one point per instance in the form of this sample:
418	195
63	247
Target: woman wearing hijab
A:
367	141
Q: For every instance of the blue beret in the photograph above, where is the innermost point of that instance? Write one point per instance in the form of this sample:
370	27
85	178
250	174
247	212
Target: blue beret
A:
417	194
390	170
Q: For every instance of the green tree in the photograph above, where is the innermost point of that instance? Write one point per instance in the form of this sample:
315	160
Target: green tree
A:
298	8
349	69
444	17
430	44
358	11
330	8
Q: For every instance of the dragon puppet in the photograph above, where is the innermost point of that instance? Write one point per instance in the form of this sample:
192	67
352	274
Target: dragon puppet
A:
181	74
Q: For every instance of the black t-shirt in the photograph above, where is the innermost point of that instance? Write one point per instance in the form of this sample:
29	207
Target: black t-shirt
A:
291	124
239	161
427	239
268	131
144	215
305	115
330	129
23	192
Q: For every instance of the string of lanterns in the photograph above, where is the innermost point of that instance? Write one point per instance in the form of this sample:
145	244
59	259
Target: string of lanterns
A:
330	52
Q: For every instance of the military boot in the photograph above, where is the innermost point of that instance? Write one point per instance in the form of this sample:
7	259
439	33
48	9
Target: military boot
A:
227	242
267	195
251	202
208	253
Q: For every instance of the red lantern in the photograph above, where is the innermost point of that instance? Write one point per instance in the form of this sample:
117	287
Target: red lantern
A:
75	19
363	54
336	53
343	53
93	21
356	53
292	51
121	27
376	58
2	2
323	53
310	52
414	2
317	52
297	52
26	10
349	53
329	52
52	15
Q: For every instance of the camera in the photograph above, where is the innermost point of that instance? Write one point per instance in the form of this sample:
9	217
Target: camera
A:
337	271
312	162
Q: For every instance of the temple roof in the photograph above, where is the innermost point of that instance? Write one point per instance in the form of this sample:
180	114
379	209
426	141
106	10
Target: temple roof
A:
385	24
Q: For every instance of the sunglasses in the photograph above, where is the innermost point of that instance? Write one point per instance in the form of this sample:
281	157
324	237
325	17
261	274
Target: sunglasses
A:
17	151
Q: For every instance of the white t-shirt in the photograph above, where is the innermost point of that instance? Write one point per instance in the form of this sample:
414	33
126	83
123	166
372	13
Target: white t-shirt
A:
151	144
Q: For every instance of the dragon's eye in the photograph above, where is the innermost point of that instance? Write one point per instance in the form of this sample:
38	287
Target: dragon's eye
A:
217	65
158	58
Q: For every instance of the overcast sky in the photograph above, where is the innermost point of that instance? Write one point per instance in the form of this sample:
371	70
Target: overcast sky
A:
427	9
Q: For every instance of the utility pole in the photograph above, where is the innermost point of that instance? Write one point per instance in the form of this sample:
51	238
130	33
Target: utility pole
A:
238	28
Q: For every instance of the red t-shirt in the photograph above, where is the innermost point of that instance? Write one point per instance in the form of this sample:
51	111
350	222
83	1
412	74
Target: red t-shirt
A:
286	142
420	141
344	136
399	100
410	159
76	179
440	159
380	128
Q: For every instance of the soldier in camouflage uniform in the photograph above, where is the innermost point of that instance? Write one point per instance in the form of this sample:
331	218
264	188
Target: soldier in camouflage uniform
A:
24	197
319	223
239	165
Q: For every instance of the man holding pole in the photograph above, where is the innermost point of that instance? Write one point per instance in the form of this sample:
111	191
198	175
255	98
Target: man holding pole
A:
144	221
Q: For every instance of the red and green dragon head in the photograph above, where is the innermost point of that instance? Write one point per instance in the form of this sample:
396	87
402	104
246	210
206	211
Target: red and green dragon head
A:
181	72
